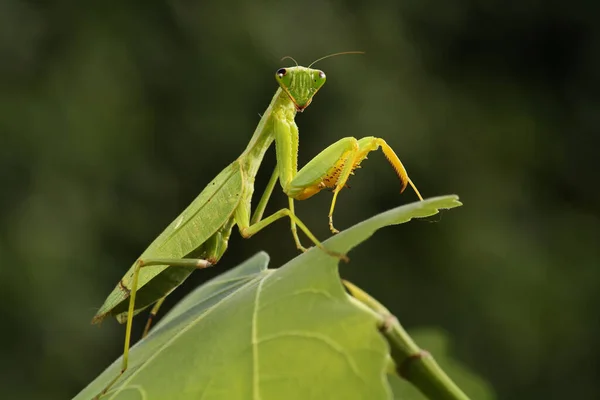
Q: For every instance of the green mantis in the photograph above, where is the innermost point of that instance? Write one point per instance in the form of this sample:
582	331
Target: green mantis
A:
198	237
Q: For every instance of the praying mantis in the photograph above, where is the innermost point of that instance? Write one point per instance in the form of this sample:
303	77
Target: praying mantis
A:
198	237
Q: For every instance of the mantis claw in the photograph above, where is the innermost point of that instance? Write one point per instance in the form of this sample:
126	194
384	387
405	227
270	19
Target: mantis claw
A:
343	257
304	249
335	254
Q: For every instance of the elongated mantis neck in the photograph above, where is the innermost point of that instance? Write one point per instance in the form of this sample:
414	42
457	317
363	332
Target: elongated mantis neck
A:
281	107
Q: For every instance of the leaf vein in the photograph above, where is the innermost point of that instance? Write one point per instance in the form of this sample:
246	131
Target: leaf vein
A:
320	337
176	336
255	361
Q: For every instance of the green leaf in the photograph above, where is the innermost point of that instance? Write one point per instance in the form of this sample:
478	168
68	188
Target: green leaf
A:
289	333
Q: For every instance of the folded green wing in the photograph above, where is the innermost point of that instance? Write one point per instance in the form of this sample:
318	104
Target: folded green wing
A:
198	222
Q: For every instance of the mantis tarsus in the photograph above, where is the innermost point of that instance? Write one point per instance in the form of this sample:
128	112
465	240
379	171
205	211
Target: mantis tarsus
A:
198	237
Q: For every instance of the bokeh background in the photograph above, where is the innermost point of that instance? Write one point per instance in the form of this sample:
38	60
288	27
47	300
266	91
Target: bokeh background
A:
114	115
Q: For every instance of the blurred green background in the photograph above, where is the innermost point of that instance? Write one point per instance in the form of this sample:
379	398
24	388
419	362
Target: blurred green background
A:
113	116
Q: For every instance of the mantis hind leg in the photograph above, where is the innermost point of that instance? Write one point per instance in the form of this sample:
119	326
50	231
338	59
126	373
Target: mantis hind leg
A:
180	262
333	166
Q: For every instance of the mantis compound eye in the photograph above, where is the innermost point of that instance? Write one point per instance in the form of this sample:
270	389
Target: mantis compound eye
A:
281	72
321	74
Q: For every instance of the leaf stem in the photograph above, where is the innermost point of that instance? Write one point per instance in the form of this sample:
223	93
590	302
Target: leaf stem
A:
412	363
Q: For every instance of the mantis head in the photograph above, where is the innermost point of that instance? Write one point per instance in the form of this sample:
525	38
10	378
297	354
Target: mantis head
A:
300	83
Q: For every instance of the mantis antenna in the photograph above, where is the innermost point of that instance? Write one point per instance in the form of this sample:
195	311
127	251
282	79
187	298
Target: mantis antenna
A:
291	58
333	55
